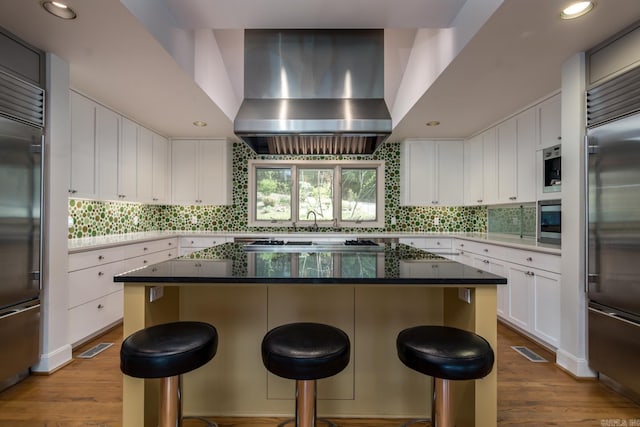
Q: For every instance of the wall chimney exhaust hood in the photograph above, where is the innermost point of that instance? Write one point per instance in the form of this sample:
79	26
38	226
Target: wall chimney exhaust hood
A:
313	92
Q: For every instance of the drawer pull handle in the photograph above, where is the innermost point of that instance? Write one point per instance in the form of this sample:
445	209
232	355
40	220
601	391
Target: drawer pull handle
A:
486	261
192	242
434	266
438	243
100	257
462	245
100	306
100	273
144	261
479	200
486	250
145	249
170	243
530	273
529	259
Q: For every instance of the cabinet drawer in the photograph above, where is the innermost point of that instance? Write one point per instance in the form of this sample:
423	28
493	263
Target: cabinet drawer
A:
429	243
80	260
201	242
91	283
89	318
139	249
539	260
149	259
485	249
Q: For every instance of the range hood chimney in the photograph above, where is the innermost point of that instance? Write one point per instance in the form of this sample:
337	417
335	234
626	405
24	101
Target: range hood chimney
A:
313	92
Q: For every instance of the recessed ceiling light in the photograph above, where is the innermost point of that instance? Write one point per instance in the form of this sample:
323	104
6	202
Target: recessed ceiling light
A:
59	9
200	123
433	123
577	9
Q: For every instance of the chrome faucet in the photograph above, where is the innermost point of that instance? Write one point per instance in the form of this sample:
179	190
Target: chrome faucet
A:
315	220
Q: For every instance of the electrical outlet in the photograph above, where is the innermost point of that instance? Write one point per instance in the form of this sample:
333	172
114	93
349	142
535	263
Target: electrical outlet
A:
69	221
156	292
436	221
393	220
194	220
136	220
464	294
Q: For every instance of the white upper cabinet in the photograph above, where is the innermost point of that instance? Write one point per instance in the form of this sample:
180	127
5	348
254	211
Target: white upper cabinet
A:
201	172
107	137
507	161
431	172
83	147
127	160
527	137
114	158
144	166
550	122
161	168
480	169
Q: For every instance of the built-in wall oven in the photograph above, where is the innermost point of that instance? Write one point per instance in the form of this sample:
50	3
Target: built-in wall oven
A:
549	221
552	173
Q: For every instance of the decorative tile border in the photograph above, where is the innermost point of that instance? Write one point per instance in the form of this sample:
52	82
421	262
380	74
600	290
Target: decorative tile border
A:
95	218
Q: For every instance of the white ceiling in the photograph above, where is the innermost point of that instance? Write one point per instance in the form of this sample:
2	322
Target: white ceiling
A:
139	56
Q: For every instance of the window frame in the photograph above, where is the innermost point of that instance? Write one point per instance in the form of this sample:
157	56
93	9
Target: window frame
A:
337	166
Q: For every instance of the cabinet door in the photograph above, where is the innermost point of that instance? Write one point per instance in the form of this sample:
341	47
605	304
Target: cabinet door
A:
160	182
184	172
83	149
214	173
546	310
500	268
107	153
520	279
417	177
550	122
144	167
490	166
527	137
507	161
127	160
474	170
450	173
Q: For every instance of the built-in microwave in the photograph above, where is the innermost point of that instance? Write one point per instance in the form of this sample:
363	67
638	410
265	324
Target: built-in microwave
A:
551	159
550	221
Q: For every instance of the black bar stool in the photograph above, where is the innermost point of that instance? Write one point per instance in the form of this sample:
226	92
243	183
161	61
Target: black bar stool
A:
305	352
167	351
445	353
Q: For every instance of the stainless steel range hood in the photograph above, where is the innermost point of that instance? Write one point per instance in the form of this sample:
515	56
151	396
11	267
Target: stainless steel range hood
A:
313	92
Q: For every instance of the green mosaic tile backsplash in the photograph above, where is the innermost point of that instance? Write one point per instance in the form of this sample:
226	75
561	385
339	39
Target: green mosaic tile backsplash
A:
96	218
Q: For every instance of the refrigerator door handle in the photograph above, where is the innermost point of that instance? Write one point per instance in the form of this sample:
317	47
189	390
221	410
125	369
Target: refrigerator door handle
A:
614	315
19	311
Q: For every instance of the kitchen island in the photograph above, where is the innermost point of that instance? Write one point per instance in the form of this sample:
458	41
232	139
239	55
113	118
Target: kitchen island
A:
370	294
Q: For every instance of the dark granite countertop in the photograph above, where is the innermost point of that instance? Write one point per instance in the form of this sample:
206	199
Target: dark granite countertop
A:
228	263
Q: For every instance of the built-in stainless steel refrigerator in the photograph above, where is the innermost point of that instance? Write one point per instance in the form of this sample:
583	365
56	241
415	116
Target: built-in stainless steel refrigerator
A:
20	238
613	146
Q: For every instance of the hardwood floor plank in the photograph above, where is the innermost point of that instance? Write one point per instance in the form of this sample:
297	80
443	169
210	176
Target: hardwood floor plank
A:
88	392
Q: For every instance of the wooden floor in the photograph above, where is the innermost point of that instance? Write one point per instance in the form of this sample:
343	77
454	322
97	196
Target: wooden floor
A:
88	392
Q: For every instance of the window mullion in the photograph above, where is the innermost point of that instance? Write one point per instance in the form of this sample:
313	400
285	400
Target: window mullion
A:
337	194
294	194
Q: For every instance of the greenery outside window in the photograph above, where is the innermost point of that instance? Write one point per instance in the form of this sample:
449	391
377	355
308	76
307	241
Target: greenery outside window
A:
332	193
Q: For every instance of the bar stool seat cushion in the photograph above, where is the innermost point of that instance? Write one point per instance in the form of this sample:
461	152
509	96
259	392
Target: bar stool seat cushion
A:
305	351
445	352
168	349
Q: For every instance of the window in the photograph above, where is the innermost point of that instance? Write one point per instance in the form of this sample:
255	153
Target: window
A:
331	193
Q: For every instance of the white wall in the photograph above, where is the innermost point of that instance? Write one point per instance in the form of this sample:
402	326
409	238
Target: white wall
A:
572	354
55	350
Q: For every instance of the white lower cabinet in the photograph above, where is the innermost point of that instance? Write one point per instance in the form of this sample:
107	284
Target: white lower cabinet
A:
531	299
95	301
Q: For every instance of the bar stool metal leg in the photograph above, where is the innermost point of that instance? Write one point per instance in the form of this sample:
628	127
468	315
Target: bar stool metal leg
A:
170	402
306	391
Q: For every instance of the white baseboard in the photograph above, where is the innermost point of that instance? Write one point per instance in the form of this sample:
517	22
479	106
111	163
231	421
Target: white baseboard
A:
576	366
53	360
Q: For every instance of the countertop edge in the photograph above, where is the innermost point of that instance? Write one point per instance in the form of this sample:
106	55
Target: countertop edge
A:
108	241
